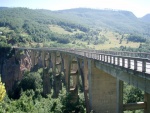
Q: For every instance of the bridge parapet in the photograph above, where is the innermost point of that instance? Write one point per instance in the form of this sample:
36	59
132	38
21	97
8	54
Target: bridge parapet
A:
128	61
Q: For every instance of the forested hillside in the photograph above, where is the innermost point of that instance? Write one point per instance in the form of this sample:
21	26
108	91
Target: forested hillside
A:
81	27
123	21
146	18
21	25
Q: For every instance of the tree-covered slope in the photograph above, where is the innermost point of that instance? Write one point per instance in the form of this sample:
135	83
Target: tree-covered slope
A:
19	26
27	25
146	18
123	21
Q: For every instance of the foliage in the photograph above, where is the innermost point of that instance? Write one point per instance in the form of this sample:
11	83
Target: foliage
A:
2	90
143	47
132	94
25	26
30	81
31	99
134	38
69	106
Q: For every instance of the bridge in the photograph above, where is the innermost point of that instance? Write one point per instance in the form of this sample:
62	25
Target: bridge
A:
102	74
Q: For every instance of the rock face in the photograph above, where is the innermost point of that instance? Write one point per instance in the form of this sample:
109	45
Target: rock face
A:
14	67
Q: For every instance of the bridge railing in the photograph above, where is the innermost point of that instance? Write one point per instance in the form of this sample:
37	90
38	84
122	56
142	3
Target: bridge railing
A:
121	53
126	53
131	60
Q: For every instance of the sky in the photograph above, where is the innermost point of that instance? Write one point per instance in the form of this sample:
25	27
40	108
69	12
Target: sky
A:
138	7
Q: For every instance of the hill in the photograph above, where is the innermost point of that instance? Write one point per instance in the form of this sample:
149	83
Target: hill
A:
80	27
122	21
146	18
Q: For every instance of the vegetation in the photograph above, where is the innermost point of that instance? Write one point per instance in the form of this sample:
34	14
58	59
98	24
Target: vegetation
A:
22	26
132	95
27	97
134	38
43	28
2	90
121	21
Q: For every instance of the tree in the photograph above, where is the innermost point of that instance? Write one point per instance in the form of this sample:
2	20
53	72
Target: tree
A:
32	81
2	90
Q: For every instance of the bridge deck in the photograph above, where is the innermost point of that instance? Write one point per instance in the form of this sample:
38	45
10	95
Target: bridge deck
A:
137	61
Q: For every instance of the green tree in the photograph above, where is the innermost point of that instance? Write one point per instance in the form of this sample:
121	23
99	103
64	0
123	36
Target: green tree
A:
2	90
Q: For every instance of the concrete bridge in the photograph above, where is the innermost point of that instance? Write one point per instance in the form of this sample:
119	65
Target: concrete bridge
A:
102	74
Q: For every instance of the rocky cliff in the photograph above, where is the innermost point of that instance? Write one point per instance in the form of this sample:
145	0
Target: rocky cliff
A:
12	68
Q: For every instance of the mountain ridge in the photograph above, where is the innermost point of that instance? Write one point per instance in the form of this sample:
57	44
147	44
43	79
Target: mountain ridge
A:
117	20
146	18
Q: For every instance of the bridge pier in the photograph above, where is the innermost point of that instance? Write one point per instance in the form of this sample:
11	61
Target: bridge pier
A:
33	58
58	63
83	67
40	60
67	64
147	101
36	65
73	80
36	57
55	87
46	74
119	96
46	82
102	90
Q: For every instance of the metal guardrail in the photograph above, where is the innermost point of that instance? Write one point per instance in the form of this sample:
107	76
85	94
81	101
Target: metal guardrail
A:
131	62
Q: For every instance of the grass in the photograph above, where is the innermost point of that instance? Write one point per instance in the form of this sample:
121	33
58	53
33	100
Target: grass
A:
60	30
24	34
114	44
114	41
5	29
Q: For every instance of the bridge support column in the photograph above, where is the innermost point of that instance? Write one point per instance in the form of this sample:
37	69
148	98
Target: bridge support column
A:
119	96
147	101
46	75
102	90
83	67
57	77
58	73
73	80
36	57
53	59
33	58
40	59
46	82
67	64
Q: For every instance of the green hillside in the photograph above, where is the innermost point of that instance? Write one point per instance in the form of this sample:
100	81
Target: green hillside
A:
81	27
146	18
122	21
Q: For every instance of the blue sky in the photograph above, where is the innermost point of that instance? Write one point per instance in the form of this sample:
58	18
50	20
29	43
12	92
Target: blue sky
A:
138	7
